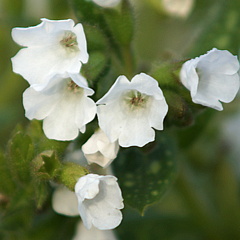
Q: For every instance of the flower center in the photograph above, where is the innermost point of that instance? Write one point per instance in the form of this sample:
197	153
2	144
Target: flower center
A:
73	87
69	41
135	99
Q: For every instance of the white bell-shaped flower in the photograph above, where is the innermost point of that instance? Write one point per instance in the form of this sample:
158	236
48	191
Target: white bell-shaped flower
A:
98	149
130	110
93	234
177	8
63	105
212	78
65	201
107	3
52	47
99	201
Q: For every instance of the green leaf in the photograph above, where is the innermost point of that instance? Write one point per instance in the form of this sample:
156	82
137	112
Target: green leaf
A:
41	193
97	66
87	11
20	154
96	39
41	142
70	173
222	29
146	173
120	23
6	183
167	227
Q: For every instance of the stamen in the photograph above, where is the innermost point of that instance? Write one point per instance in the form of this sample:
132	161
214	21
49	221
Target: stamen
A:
73	87
135	99
69	41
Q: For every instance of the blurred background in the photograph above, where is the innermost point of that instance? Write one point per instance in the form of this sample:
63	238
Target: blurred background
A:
203	202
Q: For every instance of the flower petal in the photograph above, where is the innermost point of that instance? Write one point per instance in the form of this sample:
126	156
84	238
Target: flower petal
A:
85	112
147	85
65	202
38	105
219	61
37	68
157	113
111	119
82	43
136	131
93	234
60	123
115	91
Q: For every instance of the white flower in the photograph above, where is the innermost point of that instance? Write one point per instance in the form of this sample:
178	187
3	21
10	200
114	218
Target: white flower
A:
99	201
63	105
211	78
98	149
130	110
65	201
178	8
93	234
52	47
107	3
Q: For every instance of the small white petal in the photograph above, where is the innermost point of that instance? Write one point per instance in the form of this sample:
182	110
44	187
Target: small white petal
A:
157	113
88	187
44	103
137	131
111	119
39	35
120	85
65	202
93	234
82	43
85	112
148	85
60	124
107	3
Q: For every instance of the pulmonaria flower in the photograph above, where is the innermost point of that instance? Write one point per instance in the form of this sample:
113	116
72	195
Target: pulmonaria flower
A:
65	201
98	149
212	78
177	8
130	110
63	105
107	3
52	47
99	201
93	234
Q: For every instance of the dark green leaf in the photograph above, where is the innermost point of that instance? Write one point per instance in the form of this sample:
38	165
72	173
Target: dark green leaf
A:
145	174
97	66
41	142
120	23
20	154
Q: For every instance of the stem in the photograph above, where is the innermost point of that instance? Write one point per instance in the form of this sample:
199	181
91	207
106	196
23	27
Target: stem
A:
128	61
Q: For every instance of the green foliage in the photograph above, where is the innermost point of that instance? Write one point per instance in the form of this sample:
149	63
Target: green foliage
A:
70	173
120	23
145	174
97	66
20	154
26	168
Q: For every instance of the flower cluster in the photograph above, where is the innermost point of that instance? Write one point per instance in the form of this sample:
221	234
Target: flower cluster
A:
128	114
